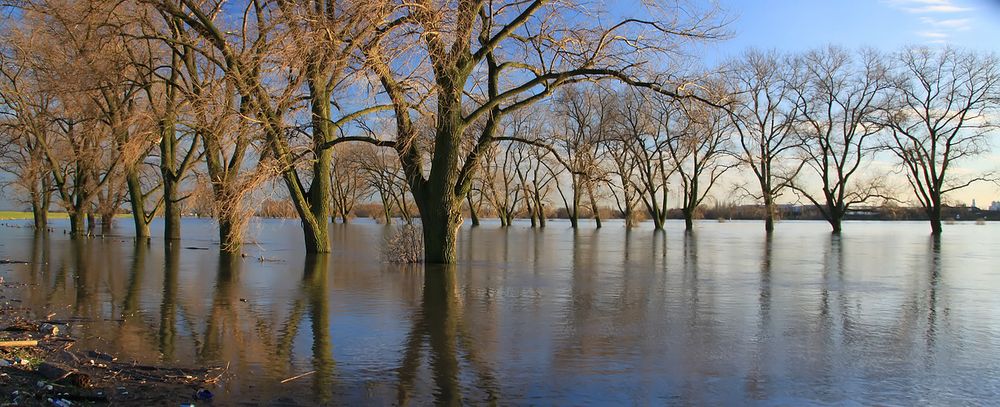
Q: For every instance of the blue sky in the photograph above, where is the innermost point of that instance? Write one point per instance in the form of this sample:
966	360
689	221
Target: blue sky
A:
793	25
796	25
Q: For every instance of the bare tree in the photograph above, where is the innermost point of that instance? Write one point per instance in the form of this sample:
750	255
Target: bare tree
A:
161	70
763	112
499	180
347	181
840	96
583	123
278	51
943	110
633	148
58	49
23	124
384	177
538	175
698	140
510	55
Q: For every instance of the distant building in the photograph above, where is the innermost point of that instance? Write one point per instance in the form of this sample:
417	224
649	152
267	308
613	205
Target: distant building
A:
995	206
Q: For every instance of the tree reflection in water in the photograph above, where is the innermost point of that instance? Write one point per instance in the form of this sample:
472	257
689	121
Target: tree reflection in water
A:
438	328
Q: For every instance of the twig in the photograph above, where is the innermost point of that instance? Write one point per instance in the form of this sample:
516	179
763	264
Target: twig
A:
299	376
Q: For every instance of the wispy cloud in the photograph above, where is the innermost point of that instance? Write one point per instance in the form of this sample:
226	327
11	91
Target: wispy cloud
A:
955	24
932	34
940	18
929	6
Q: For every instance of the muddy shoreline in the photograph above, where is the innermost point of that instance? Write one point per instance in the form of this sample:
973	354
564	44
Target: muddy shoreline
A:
40	365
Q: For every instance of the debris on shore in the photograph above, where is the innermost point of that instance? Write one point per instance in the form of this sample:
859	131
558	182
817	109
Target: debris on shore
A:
40	366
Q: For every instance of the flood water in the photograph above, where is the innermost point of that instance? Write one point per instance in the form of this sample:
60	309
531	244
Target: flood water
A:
881	315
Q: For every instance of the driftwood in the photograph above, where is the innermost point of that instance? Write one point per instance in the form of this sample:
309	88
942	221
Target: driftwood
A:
18	344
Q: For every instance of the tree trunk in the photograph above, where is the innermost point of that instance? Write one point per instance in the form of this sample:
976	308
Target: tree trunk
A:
386	210
835	223
688	219
441	216
317	237
593	206
531	210
768	216
76	223
40	214
934	215
171	210
314	217
657	220
229	241
91	223
472	211
107	222
540	210
138	205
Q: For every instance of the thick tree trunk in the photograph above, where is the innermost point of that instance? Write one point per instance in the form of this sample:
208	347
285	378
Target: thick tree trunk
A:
768	216
315	212
657	220
107	223
688	220
229	239
171	210
934	215
40	215
441	218
76	223
835	223
317	237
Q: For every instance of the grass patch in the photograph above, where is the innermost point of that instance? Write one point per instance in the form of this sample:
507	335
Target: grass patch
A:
16	215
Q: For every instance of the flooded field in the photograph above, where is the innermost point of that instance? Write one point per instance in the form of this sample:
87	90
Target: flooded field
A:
881	315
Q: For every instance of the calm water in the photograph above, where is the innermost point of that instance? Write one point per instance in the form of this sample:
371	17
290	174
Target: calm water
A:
881	315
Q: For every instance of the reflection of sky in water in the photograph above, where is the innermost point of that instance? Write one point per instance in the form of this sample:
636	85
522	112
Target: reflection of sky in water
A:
881	315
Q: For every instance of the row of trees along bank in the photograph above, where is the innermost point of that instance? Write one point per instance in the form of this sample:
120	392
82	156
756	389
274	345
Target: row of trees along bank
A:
451	106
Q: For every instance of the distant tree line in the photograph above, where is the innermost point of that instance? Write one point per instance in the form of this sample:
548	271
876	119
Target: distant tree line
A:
438	110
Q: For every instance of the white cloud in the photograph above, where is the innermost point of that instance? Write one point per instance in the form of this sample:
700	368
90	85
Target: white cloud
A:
929	6
932	34
940	18
956	24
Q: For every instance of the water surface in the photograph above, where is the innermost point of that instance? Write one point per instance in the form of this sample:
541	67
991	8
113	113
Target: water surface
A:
881	315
